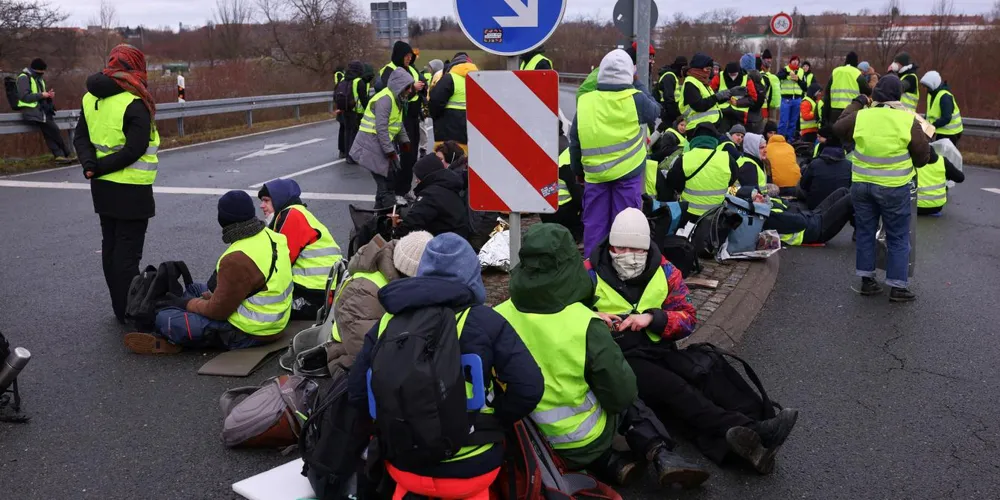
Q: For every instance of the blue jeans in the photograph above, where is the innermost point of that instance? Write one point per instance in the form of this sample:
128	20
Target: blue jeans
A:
194	330
788	122
892	205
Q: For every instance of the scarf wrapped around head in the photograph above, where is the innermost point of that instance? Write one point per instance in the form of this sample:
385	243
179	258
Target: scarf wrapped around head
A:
700	74
127	67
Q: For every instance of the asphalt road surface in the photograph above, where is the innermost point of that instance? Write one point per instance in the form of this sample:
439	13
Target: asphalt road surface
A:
897	401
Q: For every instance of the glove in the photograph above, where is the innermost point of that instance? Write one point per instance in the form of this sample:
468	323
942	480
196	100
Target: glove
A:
863	100
738	92
723	95
171	300
404	147
392	156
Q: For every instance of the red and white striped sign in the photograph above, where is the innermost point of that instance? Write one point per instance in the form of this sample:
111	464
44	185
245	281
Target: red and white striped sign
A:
513	119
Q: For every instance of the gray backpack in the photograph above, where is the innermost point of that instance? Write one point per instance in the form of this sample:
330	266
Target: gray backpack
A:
268	416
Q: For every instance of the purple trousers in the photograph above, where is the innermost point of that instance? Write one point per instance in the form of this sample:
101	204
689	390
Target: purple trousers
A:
602	202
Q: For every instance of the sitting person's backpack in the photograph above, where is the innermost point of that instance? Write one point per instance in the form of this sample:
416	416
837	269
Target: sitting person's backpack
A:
10	88
679	250
332	442
152	285
268	416
712	373
743	238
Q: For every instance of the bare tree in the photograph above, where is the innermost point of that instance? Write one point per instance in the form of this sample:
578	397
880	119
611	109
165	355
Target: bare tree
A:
20	22
943	39
232	27
316	35
103	36
888	35
723	22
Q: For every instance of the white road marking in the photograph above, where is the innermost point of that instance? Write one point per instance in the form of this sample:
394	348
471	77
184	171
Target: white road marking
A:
992	190
82	186
300	172
275	149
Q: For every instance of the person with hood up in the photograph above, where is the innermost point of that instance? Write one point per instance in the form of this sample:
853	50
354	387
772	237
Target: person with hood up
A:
117	140
590	391
932	184
34	100
700	104
311	247
608	145
785	170
811	113
793	86
828	172
382	127
846	83
736	110
907	73
356	308
440	206
447	102
755	113
752	164
535	59
703	174
589	84
437	71
449	276
773	103
250	303
889	145
403	57
942	108
669	90
357	101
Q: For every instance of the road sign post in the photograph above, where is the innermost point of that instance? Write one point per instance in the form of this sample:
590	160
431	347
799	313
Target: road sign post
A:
781	25
642	37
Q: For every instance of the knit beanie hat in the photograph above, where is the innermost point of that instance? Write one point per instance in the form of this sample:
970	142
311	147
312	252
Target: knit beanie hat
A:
770	127
932	79
738	129
732	67
630	230
449	256
236	206
814	89
903	59
747	62
409	250
851	59
889	88
427	165
39	65
766	54
700	60
864	66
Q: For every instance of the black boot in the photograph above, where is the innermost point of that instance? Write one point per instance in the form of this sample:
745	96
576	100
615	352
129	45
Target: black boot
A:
621	469
671	469
870	287
773	432
758	443
901	295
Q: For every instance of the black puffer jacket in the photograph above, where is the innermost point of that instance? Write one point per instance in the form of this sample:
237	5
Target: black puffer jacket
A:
440	206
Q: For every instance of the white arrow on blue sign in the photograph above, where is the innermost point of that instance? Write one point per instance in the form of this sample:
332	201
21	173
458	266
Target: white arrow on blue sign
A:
509	27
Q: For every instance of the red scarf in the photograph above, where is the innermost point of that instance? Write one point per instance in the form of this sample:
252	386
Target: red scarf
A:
127	67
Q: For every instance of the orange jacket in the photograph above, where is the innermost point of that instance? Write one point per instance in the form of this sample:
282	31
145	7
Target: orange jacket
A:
808	113
785	169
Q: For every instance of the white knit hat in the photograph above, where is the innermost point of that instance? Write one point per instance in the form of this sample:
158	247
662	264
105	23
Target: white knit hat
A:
409	250
630	230
932	79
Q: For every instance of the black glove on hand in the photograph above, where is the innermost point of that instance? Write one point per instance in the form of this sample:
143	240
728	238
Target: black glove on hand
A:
171	300
738	92
723	95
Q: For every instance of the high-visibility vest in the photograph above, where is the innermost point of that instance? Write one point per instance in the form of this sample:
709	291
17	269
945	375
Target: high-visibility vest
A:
609	301
745	162
428	76
533	62
612	142
809	79
652	171
910	99
377	278
465	451
794	239
789	86
844	86
881	138
564	195
724	86
817	115
338	77
677	87
953	127
773	89
932	187
816	150
569	414
413	73
34	90
359	88
395	117
708	188
681	140
266	312
695	118
457	99
314	262
105	117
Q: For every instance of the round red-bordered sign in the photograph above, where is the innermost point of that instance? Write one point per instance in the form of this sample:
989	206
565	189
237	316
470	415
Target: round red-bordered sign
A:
781	24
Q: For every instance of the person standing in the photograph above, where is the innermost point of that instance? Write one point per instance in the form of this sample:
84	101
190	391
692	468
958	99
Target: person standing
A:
381	128
942	108
535	59
907	72
807	75
35	104
403	57
700	105
357	102
669	88
774	85
735	111
889	144
811	113
447	103
793	86
846	83
117	140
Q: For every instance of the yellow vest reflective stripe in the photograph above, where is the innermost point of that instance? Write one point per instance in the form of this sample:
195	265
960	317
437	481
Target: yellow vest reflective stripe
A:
652	170
569	414
677	88
413	73
533	62
338	77
794	239
695	118
395	117
789	86
457	99
881	137
814	123
932	187
745	162
376	277
910	99
104	124
356	88
723	86
953	127
34	90
609	301
612	142
681	140
708	189
313	264
809	79
844	86
266	312
564	195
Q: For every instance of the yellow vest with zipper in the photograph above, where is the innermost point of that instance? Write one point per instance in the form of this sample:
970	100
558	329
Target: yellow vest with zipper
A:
911	99
791	87
695	118
457	99
612	142
413	73
609	301
377	278
105	120
266	312
314	262
745	162
844	86
708	188
932	187
34	90
395	116
724	86
954	127
677	87
881	154
533	62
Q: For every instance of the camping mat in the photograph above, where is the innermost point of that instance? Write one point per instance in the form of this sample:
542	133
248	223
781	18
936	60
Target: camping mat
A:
243	362
284	482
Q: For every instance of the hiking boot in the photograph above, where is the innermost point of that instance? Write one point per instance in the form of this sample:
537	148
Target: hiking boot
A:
870	287
147	343
773	432
758	443
622	469
901	295
671	469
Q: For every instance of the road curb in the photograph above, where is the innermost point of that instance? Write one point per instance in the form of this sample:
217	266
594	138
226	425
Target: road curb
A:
725	328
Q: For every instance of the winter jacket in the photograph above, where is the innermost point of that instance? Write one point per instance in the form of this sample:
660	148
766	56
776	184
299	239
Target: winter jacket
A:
946	103
440	206
783	75
45	108
357	308
486	334
785	170
752	101
919	148
824	175
677	179
791	220
399	51
527	56
238	278
863	89
291	223
449	124
550	277
112	199
808	112
356	71
671	108
370	150
693	98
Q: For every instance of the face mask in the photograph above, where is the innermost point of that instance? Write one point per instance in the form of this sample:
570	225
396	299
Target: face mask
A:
732	76
629	265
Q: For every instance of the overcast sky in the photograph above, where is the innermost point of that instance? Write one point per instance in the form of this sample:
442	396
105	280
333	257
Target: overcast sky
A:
155	13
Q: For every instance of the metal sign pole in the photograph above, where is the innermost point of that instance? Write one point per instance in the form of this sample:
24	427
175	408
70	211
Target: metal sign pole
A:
642	37
513	63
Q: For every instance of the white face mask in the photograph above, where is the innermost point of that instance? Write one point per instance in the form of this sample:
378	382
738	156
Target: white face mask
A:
629	265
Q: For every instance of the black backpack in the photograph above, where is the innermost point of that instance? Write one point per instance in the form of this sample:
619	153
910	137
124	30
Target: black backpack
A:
712	373
341	96
681	253
10	88
332	442
152	285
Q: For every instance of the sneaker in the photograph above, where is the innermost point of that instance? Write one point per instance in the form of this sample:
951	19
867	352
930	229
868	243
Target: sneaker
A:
901	295
870	287
146	343
341	154
773	432
671	469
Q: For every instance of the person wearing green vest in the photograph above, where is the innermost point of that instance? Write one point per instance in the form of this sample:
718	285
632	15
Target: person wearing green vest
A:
773	101
736	111
449	276
907	72
811	114
668	90
932	184
535	59
447	102
751	163
700	104
732	142
942	108
793	87
338	76
889	145
250	302
807	75
34	101
590	83
570	196
356	101
404	57
797	226
846	83
381	129
117	140
702	175
590	391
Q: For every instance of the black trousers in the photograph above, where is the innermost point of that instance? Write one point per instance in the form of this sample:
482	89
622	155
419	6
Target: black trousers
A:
53	138
835	212
643	431
384	196
351	124
121	253
403	181
342	135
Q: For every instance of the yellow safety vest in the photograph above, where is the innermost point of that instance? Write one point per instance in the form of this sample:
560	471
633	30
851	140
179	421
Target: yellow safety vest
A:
533	62
266	312
745	162
695	118
105	117
844	86
395	117
652	170
793	239
569	414
708	189
564	195
773	89
789	86
724	86
809	79
609	301
338	77
910	99
34	90
376	277
817	115
681	140
457	99
954	127
612	142
356	88
932	187
677	87
314	262
881	137
413	73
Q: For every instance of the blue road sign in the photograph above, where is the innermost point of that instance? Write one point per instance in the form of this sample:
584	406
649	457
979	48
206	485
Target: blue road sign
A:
509	27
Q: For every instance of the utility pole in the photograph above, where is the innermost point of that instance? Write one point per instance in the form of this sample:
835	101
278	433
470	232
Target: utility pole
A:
642	10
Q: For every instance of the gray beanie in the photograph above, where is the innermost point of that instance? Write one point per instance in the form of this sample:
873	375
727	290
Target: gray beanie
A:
738	129
409	250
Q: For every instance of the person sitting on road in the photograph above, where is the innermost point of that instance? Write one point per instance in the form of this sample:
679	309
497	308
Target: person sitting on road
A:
785	170
440	206
452	154
381	127
752	164
732	142
932	187
826	174
251	301
814	226
356	307
449	276
642	297
312	249
590	391
570	197
703	174
672	140
770	130
824	134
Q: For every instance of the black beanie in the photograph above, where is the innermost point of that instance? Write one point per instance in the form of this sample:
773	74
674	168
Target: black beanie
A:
770	127
888	88
733	67
852	59
700	60
427	165
903	59
39	65
766	54
236	206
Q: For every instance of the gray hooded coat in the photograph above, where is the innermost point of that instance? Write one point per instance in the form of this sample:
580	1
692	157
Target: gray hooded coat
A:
370	150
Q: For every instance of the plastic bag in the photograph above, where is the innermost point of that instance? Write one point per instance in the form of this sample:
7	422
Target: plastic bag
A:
496	251
947	149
